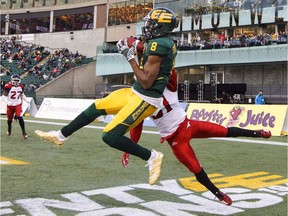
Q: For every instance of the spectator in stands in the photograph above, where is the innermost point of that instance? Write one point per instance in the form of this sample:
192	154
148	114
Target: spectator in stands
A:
76	54
225	98
55	72
243	40
59	64
2	85
46	76
227	42
259	99
221	38
274	37
4	55
67	65
31	87
260	40
38	58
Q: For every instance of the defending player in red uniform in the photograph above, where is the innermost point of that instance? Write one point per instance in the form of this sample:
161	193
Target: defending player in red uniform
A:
174	127
13	96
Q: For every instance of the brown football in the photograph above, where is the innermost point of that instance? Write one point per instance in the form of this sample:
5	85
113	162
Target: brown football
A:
140	46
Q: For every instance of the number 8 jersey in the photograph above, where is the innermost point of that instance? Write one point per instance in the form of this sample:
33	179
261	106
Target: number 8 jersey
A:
165	48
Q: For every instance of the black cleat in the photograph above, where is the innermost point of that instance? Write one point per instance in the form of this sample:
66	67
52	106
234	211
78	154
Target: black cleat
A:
25	136
9	131
224	198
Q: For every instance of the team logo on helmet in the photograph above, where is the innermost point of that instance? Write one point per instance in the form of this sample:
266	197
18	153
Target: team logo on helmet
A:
159	22
162	16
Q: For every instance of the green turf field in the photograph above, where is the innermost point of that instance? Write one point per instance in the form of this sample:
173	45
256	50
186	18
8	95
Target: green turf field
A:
86	177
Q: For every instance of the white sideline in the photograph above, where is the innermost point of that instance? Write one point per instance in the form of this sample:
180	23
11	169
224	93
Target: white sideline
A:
155	132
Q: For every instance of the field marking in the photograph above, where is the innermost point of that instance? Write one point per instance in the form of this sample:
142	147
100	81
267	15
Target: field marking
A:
10	161
252	141
156	132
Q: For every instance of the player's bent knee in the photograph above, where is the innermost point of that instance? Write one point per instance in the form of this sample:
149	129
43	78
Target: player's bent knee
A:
195	170
110	139
18	117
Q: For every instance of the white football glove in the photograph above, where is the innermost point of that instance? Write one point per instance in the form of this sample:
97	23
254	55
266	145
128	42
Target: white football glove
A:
131	53
28	106
122	45
123	48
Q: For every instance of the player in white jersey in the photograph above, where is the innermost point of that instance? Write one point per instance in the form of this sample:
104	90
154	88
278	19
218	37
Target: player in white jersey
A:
13	96
174	127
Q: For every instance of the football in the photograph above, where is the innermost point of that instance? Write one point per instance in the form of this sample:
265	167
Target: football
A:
139	45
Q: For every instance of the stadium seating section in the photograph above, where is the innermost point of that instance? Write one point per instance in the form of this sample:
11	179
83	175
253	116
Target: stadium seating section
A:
35	64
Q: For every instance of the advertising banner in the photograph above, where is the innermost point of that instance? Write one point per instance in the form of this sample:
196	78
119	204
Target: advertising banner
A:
284	131
32	110
65	109
253	117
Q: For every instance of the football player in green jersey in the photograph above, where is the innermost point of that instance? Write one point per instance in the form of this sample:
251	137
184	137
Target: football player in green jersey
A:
133	105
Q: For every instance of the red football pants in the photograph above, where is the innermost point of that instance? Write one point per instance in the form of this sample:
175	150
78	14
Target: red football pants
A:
11	110
189	129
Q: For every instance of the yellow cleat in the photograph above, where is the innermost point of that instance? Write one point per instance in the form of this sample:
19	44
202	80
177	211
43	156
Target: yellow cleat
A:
51	136
155	167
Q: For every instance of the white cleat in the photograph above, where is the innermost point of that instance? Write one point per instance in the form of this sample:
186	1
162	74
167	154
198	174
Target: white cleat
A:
155	167
51	136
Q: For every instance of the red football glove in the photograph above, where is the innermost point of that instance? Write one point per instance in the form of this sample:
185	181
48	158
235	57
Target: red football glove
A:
125	159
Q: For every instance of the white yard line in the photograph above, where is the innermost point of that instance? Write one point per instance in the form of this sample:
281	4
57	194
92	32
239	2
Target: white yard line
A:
263	142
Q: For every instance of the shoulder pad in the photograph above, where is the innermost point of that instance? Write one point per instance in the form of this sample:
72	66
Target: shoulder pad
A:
8	86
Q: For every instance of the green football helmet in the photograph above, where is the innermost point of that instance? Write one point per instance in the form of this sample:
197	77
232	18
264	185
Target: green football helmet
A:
159	22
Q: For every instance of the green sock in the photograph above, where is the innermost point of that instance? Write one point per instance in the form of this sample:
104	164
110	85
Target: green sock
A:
85	118
125	144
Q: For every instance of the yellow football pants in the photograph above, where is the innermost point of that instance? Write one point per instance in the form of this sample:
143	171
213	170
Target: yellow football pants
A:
128	107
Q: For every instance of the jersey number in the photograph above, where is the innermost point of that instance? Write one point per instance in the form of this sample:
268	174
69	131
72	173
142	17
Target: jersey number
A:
153	46
167	107
14	94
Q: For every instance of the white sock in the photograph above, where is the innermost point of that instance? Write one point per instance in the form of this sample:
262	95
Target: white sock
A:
61	136
153	155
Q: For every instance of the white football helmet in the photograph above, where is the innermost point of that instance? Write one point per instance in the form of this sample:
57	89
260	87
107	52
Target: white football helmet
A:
15	79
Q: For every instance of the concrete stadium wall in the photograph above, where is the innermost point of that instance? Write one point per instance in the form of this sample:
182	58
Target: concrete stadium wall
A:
78	82
85	41
115	33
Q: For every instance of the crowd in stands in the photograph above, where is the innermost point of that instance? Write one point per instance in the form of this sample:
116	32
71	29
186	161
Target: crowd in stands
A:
120	13
55	64
218	6
218	41
222	41
35	64
128	14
